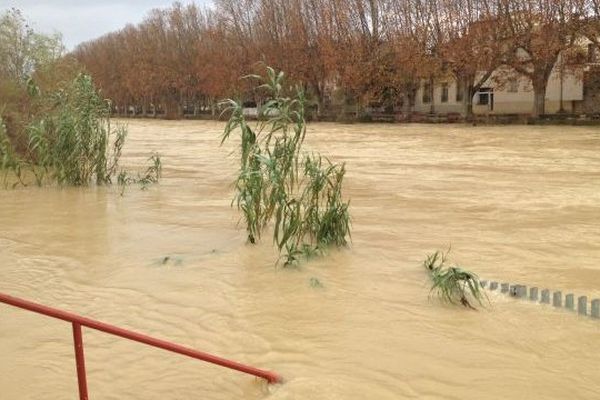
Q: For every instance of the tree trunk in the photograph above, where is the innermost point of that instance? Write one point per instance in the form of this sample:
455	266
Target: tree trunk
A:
407	106
539	97
539	80
468	105
470	88
469	92
432	96
374	19
318	94
409	101
172	108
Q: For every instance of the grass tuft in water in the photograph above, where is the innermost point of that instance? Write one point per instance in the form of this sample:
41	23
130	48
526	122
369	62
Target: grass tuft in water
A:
301	194
150	176
454	285
315	283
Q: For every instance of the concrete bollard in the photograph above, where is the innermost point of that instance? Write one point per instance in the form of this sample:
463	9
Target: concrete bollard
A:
596	308
557	299
545	296
582	305
570	302
518	291
533	294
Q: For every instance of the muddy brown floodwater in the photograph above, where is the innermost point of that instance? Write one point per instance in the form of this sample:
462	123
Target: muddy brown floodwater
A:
516	203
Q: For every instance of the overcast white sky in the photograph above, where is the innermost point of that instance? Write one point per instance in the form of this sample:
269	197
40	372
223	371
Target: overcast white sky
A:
83	20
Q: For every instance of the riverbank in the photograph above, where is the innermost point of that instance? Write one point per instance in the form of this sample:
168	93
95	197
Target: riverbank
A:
452	118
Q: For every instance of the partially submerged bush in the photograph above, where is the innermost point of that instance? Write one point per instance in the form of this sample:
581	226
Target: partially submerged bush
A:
70	142
150	176
9	160
300	193
453	284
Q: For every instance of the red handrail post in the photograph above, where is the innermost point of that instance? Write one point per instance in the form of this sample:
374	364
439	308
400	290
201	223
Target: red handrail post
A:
80	361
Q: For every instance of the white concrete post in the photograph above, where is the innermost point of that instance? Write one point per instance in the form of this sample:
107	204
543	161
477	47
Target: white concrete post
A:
533	294
545	296
596	308
570	301
582	305
557	299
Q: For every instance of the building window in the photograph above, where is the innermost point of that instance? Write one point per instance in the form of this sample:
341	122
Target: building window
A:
592	53
485	97
513	85
426	93
444	92
460	92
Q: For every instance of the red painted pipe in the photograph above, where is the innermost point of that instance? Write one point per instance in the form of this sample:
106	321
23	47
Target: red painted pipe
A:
80	361
271	377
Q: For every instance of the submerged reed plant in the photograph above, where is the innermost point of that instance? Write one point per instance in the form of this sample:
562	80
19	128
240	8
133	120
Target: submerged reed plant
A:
150	176
453	284
71	141
301	194
9	160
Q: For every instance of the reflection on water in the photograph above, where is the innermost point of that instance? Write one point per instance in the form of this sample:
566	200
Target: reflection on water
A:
516	203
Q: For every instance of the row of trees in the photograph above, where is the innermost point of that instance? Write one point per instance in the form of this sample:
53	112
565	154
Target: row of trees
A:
367	50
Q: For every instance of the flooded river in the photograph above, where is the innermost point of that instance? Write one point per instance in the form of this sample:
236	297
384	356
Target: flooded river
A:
520	204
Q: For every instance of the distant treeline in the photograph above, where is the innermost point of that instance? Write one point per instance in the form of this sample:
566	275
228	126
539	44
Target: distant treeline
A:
346	53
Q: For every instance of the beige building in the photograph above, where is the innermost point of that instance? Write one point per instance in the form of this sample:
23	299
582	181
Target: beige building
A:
505	92
509	92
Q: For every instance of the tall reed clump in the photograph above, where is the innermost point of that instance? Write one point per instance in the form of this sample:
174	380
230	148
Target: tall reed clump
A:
71	141
453	284
300	193
9	161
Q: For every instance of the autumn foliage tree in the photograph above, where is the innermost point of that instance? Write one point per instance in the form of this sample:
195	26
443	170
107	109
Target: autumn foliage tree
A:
475	44
540	31
185	58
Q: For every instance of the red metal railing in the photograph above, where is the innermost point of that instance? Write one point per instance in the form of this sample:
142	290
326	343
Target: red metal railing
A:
78	321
